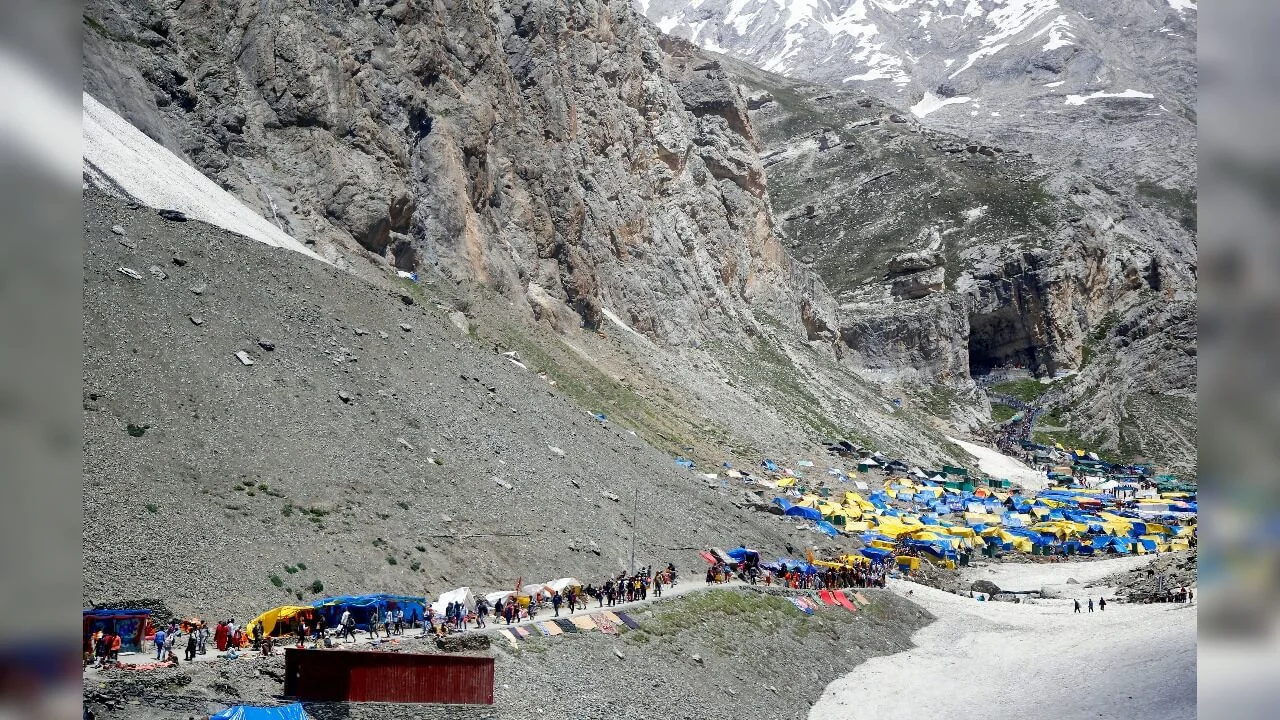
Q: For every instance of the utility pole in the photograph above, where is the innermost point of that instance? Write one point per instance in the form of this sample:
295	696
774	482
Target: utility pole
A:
635	511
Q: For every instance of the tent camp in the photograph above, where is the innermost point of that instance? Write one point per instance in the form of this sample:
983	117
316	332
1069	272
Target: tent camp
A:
249	712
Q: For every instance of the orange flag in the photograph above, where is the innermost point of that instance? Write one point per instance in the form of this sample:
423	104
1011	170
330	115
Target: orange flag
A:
809	554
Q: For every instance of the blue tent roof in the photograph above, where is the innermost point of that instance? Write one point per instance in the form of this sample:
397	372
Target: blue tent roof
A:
804	512
249	712
876	553
739	553
827	528
782	503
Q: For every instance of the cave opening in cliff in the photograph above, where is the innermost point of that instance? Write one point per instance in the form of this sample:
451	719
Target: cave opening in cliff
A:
1002	340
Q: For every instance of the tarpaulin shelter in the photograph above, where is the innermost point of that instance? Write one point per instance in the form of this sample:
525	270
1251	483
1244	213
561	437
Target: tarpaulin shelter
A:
280	620
362	607
249	712
130	625
804	512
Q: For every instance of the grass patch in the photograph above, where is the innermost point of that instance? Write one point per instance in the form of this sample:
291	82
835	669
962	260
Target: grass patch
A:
275	580
1096	336
290	569
420	548
302	566
1002	413
152	508
1027	390
391	560
1179	204
403	505
415	566
317	587
287	510
137	430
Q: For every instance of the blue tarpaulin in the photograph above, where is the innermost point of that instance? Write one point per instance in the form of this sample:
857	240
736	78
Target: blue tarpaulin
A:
827	528
804	512
249	712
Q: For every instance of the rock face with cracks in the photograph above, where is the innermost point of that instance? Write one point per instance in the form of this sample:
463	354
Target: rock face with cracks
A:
555	151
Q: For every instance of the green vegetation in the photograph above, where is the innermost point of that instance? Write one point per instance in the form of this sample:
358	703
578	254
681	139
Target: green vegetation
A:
275	580
287	510
403	505
391	559
290	569
152	507
415	566
754	609
420	548
317	587
137	430
1001	413
302	566
1027	390
379	542
1179	204
1096	336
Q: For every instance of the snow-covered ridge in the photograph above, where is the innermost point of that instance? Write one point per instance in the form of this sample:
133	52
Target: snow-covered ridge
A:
120	157
1082	99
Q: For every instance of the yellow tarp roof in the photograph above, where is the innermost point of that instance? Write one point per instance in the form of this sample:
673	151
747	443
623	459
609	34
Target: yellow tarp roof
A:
276	615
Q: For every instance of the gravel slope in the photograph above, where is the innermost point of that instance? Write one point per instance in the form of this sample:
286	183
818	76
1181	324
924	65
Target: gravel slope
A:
239	472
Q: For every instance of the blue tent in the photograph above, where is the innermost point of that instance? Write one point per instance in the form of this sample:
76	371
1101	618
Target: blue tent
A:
739	554
249	712
876	553
827	528
780	502
363	607
804	512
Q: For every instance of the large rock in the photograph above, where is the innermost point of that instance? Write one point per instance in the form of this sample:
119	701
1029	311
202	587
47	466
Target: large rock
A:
985	586
464	642
920	284
914	261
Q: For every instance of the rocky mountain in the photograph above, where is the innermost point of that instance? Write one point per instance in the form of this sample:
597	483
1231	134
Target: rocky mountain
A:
953	260
1105	86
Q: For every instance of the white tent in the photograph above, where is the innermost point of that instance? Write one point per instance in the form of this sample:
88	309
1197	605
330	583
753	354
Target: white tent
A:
494	597
460	595
917	472
563	583
859	484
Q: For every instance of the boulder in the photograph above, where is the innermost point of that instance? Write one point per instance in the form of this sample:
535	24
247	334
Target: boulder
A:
461	643
985	586
915	261
918	285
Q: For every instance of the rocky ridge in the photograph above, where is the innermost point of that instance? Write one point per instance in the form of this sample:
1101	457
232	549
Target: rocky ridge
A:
950	260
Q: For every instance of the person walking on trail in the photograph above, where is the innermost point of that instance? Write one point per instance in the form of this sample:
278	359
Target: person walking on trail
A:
388	621
190	654
373	624
1102	603
556	600
1090	604
1077	602
159	640
482	609
657	585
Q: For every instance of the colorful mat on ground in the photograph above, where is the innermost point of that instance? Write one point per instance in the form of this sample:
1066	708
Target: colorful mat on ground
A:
628	620
521	631
605	624
862	598
828	597
801	605
510	638
582	622
566	625
552	629
844	600
542	629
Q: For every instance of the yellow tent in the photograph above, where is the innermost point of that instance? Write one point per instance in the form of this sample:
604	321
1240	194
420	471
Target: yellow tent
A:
276	616
786	482
908	562
856	526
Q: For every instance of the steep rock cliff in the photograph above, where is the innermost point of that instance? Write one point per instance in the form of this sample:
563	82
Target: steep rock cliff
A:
551	150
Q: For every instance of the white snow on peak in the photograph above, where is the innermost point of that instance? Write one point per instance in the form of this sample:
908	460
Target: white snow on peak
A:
1059	33
1055	84
1082	99
1010	19
931	102
119	155
1183	5
667	24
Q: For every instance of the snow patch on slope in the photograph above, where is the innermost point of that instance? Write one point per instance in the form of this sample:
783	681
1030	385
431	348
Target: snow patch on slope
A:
931	102
119	156
1082	99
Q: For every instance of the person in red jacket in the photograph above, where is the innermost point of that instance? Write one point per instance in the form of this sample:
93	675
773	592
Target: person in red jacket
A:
220	636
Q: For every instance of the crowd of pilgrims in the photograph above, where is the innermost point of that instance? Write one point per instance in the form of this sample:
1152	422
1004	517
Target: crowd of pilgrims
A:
229	637
861	575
